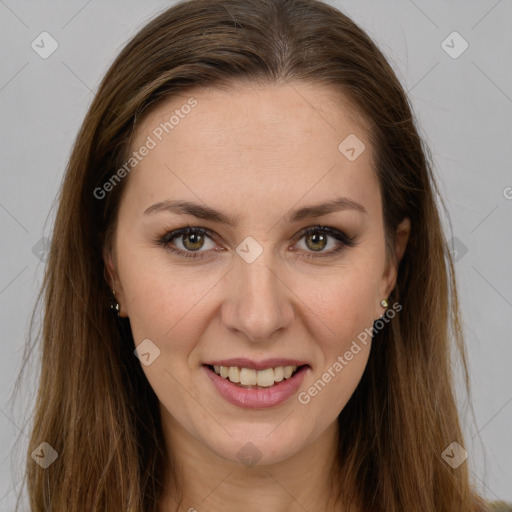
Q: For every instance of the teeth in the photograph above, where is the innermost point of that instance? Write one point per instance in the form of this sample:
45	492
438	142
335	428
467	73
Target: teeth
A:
234	374
250	377
265	378
288	370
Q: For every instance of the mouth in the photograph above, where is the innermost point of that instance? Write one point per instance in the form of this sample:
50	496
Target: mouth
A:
256	389
250	378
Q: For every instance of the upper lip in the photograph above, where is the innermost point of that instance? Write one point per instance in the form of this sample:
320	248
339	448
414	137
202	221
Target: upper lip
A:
243	362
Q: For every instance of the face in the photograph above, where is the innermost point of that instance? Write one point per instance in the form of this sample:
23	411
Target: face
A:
263	273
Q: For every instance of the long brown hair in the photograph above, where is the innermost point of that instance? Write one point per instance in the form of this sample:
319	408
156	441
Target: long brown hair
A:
94	405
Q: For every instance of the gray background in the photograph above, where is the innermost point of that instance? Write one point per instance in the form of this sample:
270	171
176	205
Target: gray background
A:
463	105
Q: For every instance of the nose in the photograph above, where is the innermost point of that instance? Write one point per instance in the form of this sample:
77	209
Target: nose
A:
258	303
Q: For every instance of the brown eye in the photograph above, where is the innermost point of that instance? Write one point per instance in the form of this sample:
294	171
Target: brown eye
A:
193	241
187	242
316	241
317	238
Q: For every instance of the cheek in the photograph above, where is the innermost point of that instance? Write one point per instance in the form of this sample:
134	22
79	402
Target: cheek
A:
344	301
161	306
166	303
346	307
166	308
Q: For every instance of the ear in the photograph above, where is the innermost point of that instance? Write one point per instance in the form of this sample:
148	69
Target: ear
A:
113	279
111	274
390	275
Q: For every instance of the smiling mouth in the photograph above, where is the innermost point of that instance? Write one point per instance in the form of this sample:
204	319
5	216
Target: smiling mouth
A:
249	378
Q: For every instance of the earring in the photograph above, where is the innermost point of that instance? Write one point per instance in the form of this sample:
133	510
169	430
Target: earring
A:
114	306
384	303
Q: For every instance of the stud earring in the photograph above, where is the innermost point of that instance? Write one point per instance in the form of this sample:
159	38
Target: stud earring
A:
384	303
114	306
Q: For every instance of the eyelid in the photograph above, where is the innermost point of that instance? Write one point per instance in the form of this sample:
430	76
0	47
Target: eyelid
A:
177	233
344	241
332	232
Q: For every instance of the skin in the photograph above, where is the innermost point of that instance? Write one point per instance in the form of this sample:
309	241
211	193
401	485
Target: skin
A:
255	153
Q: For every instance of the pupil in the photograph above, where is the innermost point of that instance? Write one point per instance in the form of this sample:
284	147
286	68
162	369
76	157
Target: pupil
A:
191	237
316	237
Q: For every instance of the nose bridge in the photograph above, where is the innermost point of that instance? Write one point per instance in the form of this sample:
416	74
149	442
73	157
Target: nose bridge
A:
258	304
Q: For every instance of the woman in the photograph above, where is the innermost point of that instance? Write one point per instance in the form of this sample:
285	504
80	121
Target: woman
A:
250	192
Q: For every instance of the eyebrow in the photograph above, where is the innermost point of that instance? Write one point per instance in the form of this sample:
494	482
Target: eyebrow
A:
208	213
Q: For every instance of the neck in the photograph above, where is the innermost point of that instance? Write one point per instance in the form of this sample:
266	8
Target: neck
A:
210	482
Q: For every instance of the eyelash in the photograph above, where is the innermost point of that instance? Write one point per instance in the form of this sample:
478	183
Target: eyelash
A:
345	241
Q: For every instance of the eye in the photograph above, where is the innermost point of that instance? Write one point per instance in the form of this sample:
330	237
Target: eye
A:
192	239
316	239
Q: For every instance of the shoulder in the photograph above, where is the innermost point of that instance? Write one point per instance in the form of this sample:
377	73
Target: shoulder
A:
500	506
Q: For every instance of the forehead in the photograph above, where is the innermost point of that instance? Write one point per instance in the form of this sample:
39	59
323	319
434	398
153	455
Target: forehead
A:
276	143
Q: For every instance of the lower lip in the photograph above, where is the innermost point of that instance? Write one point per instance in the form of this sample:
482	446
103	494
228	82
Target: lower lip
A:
257	398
